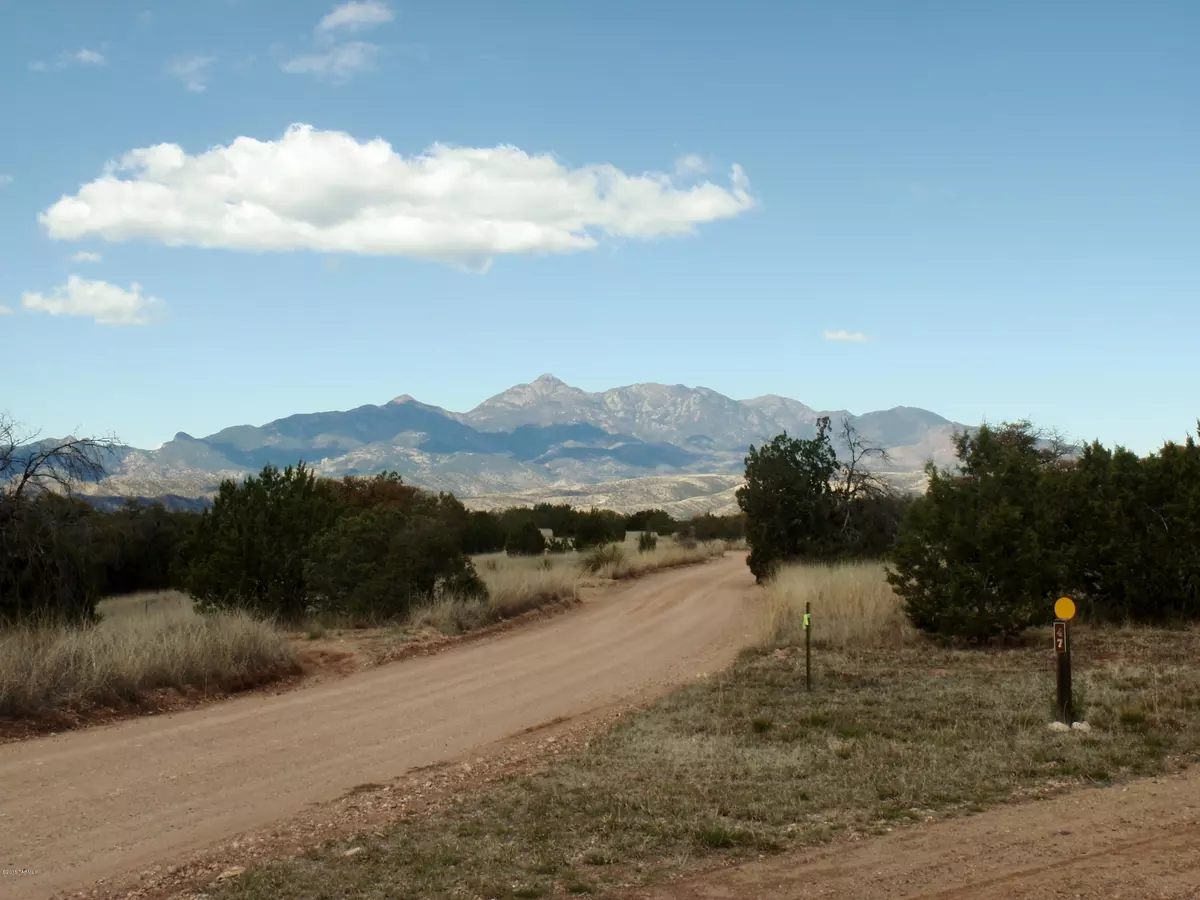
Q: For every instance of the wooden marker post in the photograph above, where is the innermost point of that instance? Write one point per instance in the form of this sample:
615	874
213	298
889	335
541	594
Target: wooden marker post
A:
808	646
1064	610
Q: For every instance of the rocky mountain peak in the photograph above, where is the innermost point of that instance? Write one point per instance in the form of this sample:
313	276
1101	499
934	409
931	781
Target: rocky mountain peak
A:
528	437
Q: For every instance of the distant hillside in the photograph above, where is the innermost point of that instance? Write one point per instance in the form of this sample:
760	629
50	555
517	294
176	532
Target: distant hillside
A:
544	438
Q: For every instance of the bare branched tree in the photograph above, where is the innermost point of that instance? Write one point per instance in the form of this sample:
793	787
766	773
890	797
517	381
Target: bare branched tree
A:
29	466
858	476
859	462
44	569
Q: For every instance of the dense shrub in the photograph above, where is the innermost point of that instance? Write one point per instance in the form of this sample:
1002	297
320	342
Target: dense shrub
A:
655	520
525	539
48	555
288	544
598	526
990	546
801	502
377	564
47	563
560	518
1131	527
788	501
140	547
484	533
250	549
708	527
976	557
647	542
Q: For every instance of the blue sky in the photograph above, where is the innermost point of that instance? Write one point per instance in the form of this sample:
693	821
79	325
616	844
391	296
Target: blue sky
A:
1004	198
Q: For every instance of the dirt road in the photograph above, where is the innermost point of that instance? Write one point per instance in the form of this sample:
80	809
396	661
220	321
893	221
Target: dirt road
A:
93	804
1134	842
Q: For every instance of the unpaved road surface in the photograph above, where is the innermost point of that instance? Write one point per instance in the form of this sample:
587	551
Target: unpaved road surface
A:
1134	842
86	805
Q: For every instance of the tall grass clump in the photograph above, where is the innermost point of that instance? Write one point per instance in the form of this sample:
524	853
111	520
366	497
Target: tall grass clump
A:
514	587
47	670
603	560
611	561
852	606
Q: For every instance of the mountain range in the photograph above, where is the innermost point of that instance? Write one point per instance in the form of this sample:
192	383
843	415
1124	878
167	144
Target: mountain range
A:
628	447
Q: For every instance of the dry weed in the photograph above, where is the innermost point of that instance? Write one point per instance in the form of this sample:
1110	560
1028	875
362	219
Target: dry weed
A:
852	606
514	586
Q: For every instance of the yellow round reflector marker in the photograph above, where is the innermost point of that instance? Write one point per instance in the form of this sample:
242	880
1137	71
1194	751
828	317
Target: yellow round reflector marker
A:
1064	608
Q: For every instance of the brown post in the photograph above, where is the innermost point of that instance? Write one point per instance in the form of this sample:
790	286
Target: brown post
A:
1062	650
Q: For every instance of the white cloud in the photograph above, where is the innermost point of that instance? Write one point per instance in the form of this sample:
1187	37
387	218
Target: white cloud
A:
853	337
107	304
192	71
338	63
326	191
83	57
354	16
5	311
690	165
5	180
85	256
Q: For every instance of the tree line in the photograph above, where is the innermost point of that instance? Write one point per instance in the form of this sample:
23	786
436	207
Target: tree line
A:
1020	520
284	543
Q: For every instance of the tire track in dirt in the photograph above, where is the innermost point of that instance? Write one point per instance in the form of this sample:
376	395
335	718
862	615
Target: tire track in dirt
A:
94	804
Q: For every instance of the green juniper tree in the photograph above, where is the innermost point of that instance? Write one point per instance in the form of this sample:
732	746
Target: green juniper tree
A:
981	554
788	500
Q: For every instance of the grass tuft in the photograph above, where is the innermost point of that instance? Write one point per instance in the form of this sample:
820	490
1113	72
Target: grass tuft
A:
514	587
612	562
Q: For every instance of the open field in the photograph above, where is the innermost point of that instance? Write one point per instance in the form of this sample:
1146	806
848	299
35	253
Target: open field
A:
898	731
180	782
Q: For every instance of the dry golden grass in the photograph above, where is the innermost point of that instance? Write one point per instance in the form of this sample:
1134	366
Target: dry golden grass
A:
852	606
144	643
144	603
515	586
618	561
518	584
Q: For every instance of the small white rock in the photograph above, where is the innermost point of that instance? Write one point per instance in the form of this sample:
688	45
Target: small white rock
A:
1081	726
354	851
1059	726
231	872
